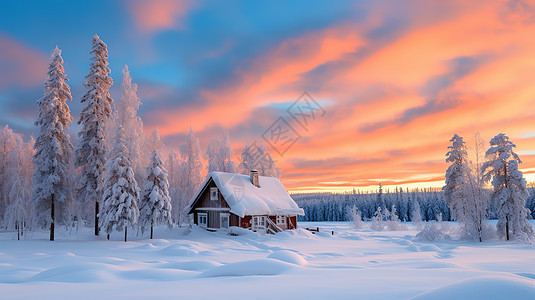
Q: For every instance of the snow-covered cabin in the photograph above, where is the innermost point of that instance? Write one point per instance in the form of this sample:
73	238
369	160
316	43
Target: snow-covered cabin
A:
256	202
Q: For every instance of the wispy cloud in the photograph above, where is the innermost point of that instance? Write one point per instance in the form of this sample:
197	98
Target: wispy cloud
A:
20	65
155	15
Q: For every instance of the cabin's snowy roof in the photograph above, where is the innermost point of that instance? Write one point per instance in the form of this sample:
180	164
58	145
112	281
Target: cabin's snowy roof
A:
271	198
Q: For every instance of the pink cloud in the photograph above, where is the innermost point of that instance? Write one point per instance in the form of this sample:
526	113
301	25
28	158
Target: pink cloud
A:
155	15
20	65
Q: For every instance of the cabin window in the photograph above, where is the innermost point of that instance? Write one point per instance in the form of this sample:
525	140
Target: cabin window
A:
202	220
213	193
281	220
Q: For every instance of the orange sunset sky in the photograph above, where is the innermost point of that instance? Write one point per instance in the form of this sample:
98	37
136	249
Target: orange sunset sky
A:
396	79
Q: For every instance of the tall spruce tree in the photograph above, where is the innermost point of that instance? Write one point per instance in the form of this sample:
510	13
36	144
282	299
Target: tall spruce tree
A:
510	192
91	149
120	192
53	146
155	204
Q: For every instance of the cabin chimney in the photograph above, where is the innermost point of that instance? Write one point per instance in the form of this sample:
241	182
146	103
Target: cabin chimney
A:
254	178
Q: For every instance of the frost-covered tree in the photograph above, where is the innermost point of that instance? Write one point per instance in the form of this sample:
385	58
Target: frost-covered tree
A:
191	169
416	214
155	206
174	165
464	191
393	222
9	143
355	216
456	175
377	223
124	114
219	154
19	211
255	157
53	146
510	192
120	193
91	148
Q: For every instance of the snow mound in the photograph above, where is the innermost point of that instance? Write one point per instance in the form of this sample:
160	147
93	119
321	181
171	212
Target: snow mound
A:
179	250
199	265
76	273
295	233
160	275
239	231
433	232
490	287
257	267
289	257
146	247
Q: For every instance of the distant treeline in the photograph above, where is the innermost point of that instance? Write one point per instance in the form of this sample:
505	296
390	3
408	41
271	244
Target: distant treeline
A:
334	206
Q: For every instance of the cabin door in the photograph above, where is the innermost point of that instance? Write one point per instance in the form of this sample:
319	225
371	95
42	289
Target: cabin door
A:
259	224
224	220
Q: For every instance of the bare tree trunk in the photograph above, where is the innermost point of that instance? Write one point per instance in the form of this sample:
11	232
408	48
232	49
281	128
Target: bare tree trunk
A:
151	228
125	230
507	227
96	218
18	230
52	217
108	236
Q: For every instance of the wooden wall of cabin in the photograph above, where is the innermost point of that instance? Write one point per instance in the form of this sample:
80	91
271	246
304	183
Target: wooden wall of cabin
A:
245	222
205	201
234	220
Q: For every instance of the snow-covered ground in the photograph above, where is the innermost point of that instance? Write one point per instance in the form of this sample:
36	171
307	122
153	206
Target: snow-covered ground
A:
351	264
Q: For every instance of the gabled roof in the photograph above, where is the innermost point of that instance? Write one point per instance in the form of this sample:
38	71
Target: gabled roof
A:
271	198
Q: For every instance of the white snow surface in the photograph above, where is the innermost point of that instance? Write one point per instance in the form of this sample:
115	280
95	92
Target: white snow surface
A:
271	198
192	263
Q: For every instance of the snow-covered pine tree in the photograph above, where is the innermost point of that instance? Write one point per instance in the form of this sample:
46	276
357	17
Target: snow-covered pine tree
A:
155	206
53	146
219	154
510	192
125	114
120	193
191	176
456	174
91	148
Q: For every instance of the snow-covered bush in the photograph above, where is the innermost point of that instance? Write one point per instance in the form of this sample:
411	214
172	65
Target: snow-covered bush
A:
377	223
393	223
355	216
432	232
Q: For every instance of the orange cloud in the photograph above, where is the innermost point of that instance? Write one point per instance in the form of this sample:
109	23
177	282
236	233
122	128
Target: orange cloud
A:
390	113
155	15
20	65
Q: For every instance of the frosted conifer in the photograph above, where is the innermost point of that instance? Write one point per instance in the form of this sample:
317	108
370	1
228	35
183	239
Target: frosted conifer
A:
53	146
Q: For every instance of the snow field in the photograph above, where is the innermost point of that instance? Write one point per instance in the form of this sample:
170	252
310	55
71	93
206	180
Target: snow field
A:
352	264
